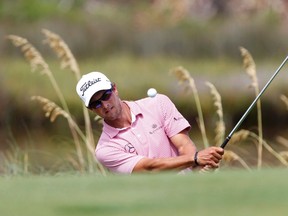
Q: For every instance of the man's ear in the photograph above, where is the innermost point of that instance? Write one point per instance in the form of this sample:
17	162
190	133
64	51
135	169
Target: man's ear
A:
114	88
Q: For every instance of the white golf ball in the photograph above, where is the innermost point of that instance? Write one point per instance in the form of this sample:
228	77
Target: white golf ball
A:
152	92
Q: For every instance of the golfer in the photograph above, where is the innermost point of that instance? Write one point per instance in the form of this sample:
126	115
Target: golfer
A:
144	135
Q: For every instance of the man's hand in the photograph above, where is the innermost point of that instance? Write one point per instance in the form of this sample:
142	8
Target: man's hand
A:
210	157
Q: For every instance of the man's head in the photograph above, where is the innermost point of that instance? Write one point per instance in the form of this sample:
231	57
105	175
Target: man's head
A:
91	83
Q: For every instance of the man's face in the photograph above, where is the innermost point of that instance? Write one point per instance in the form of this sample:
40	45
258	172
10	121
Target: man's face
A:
106	104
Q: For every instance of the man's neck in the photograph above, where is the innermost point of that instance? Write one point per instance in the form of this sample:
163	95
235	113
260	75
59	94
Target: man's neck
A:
124	119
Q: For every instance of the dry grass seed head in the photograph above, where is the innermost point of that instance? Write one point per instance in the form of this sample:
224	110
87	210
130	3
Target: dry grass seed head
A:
62	51
249	65
51	109
220	126
216	98
181	74
183	77
31	54
239	136
230	156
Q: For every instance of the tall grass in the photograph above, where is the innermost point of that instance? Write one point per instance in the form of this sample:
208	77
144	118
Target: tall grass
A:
250	68
84	141
187	81
52	110
220	125
283	141
68	61
14	161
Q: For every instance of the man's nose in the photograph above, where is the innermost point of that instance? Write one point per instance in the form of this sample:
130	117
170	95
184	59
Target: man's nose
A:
105	104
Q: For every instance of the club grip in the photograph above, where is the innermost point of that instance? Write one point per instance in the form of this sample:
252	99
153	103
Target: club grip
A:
225	142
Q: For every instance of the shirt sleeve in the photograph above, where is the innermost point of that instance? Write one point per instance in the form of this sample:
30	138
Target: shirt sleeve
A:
173	120
116	159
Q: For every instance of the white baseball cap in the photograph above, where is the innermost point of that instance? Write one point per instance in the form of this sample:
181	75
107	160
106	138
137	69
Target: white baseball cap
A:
91	83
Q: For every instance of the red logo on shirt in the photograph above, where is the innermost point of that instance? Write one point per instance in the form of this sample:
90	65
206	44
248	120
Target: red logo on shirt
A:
129	148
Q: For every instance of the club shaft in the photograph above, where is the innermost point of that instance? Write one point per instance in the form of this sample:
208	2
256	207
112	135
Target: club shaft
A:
252	105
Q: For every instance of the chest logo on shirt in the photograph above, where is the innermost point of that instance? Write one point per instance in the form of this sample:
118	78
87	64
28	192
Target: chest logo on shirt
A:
129	148
178	118
155	128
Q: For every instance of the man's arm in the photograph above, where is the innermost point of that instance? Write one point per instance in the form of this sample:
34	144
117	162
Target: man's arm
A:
206	159
183	143
210	156
161	164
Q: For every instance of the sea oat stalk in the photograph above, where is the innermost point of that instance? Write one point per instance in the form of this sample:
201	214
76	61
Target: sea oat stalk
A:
52	111
239	136
232	156
250	68
62	51
37	62
220	125
188	82
68	61
269	148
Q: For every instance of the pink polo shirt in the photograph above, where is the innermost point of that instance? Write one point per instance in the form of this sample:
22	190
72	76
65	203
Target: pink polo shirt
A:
154	121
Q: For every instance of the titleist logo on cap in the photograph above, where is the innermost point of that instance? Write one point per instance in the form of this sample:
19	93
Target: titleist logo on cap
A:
86	85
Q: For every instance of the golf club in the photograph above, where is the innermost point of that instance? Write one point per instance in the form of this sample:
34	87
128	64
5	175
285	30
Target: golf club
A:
252	105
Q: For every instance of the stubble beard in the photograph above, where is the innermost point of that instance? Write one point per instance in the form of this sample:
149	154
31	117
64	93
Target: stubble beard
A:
114	113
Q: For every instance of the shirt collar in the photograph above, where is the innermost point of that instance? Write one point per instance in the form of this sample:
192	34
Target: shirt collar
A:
135	111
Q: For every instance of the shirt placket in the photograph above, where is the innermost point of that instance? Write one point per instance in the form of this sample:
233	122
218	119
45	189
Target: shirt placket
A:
139	136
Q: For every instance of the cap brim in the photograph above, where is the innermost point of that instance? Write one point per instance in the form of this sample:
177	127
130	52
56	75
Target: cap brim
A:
89	95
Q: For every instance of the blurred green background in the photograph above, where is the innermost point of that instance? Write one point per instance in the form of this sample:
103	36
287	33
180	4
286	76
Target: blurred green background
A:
137	43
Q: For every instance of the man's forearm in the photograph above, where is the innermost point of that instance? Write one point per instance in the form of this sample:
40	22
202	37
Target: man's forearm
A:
161	164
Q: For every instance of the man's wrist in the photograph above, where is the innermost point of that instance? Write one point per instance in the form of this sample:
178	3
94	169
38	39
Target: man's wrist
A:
196	159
